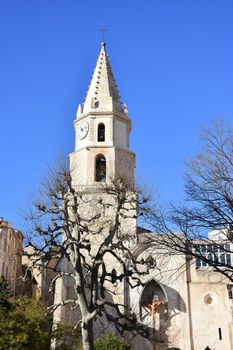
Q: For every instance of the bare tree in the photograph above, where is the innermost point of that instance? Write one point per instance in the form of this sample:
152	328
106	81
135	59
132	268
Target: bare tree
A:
94	230
208	206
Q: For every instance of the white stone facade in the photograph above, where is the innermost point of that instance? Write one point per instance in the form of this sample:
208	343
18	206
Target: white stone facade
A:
196	306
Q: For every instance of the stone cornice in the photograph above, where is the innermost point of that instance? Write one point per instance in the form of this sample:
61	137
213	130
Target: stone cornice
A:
88	148
119	116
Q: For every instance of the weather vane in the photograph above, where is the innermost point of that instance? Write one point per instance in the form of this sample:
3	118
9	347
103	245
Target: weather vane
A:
103	30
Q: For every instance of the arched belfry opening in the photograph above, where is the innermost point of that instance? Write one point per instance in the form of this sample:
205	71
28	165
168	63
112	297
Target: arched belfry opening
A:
100	168
101	132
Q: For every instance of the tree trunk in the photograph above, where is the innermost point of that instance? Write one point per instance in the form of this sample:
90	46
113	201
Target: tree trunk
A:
87	335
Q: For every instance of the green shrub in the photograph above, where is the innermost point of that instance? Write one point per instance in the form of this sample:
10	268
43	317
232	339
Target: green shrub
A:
5	292
110	342
24	325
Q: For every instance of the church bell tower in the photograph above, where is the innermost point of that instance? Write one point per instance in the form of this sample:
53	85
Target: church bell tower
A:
101	156
102	129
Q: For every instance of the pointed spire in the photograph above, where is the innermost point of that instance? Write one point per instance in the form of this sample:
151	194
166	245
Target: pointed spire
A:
103	94
125	108
79	110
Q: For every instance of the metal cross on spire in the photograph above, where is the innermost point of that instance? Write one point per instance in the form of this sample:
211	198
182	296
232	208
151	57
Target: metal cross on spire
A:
103	30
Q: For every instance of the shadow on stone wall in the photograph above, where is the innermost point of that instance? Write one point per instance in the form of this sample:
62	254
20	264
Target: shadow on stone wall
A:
158	306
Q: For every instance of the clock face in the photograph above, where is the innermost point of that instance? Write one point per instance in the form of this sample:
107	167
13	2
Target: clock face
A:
83	128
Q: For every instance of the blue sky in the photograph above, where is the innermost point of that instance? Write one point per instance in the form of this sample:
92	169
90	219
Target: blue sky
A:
172	60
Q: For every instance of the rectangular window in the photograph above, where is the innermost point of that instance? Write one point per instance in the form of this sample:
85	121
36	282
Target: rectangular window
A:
228	259
198	262
217	253
230	291
220	333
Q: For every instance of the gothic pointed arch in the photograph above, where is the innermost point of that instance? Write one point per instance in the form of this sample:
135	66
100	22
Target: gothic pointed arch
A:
153	309
152	292
100	168
101	132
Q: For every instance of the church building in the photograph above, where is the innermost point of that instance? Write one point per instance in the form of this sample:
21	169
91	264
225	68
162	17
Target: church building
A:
191	306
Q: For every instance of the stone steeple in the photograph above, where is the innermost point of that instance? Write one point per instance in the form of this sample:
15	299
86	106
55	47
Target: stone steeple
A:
102	130
102	94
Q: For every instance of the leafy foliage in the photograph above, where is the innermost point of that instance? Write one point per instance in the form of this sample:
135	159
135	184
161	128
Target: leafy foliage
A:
111	342
5	292
24	325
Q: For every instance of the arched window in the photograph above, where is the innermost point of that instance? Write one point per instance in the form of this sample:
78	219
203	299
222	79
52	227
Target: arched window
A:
100	168
101	132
